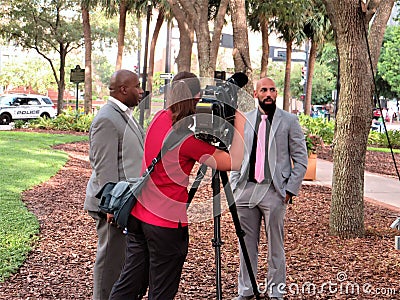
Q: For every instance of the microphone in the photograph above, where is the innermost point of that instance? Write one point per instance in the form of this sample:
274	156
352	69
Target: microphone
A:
240	79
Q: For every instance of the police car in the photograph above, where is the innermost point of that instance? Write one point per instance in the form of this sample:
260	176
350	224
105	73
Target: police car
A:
23	107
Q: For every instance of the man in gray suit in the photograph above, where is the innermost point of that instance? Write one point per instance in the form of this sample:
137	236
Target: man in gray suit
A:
116	150
271	174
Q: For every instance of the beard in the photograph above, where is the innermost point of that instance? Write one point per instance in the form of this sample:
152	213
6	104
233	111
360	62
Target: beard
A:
267	107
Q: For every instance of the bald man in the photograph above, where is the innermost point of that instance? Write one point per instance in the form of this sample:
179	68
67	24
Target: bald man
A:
116	150
272	171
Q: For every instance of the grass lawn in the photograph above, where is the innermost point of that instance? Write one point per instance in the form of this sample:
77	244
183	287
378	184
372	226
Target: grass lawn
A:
386	150
26	160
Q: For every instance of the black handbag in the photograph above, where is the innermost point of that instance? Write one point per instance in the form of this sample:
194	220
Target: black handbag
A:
119	198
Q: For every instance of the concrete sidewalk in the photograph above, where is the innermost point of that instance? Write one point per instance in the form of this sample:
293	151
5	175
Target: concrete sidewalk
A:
381	189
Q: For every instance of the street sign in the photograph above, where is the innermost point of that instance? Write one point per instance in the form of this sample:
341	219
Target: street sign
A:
166	75
77	75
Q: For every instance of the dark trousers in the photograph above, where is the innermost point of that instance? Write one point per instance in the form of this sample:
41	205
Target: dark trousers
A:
154	258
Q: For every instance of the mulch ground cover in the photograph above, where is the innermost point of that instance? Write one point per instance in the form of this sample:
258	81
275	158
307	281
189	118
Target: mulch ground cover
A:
319	266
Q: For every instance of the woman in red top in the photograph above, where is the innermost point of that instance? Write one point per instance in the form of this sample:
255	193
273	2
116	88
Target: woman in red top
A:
157	241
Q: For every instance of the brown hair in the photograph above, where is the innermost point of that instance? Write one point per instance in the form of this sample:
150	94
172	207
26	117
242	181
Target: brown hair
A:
182	101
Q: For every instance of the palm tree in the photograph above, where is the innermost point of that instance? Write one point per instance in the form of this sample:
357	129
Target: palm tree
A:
87	35
317	29
258	15
289	22
122	6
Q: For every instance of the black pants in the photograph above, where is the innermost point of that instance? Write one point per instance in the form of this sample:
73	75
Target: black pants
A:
154	258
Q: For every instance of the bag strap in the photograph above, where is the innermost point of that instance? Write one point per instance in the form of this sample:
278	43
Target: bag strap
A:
173	139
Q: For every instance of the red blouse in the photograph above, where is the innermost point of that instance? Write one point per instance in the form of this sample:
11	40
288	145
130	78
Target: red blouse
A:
164	197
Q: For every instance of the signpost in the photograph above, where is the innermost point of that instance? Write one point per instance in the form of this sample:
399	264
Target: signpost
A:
77	76
166	76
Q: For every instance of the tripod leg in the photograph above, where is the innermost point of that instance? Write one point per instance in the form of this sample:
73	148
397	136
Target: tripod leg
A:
217	242
239	231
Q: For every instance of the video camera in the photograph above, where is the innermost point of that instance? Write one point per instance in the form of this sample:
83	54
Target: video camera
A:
215	112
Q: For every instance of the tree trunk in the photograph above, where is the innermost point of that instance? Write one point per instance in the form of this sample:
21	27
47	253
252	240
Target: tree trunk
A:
207	49
121	33
186	37
288	68
310	73
240	53
184	58
159	22
88	59
217	31
61	82
265	47
354	116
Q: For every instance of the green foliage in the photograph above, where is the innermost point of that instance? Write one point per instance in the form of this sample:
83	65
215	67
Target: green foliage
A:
23	71
46	27
276	70
102	68
26	160
290	19
21	124
68	120
323	83
105	29
319	127
157	83
379	139
43	26
295	88
323	128
389	61
328	57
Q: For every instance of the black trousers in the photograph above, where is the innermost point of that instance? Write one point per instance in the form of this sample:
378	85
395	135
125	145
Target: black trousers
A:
154	258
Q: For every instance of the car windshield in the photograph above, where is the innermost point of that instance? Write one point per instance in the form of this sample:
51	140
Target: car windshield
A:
5	100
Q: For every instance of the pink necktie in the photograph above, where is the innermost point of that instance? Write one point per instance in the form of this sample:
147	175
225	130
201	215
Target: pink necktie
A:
260	151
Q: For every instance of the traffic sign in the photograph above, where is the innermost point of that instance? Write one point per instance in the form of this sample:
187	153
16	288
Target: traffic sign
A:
166	75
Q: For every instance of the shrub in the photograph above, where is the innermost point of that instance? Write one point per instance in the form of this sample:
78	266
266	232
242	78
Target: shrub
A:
67	120
319	127
379	139
323	128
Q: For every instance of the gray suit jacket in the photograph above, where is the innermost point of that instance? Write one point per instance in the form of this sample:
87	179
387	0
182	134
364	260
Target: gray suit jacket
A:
287	153
116	151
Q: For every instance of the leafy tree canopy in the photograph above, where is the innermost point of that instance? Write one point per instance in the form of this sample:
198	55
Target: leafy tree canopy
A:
43	25
389	61
27	72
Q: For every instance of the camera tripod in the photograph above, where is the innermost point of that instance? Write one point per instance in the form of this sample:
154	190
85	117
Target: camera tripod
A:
217	241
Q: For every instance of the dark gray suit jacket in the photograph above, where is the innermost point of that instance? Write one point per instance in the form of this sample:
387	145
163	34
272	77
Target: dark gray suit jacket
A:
116	151
287	153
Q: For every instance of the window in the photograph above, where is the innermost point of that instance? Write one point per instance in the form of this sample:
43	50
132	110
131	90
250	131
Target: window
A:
32	101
